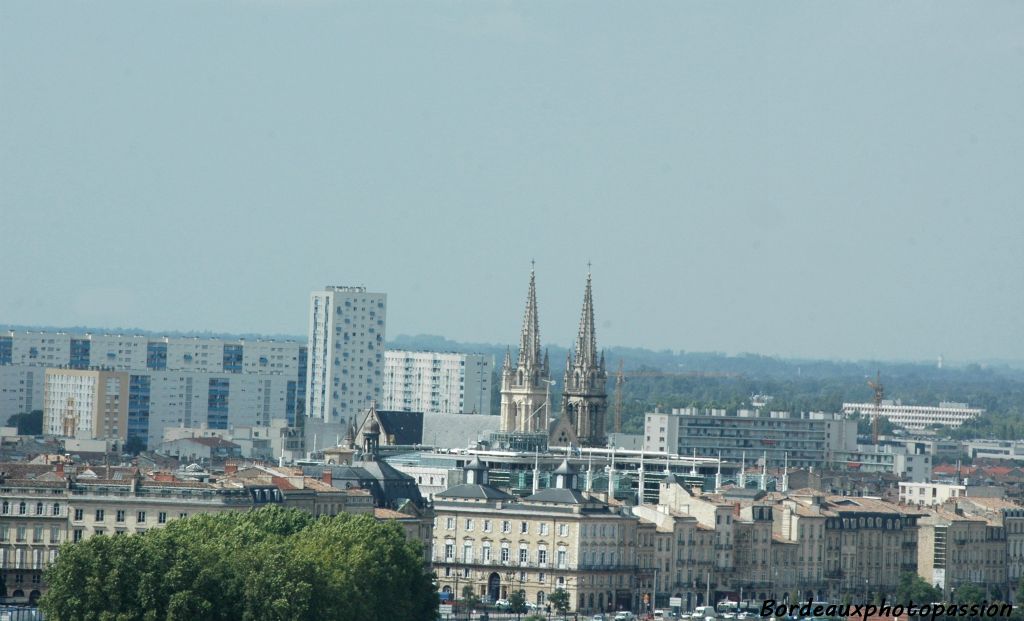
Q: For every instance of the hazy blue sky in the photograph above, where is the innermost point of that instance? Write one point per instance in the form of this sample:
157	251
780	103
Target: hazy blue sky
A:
794	178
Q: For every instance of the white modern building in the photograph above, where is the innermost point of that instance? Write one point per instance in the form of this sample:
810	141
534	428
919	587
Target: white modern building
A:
930	494
946	413
796	439
134	352
436	382
994	449
346	353
171	381
86	404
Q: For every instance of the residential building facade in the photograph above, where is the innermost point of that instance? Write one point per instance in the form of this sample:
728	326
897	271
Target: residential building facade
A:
437	382
345	364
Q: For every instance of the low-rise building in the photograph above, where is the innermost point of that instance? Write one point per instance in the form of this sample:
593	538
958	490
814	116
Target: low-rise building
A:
558	538
948	414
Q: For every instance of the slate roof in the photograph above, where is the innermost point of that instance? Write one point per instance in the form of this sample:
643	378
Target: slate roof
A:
457	430
406	427
478	492
561	496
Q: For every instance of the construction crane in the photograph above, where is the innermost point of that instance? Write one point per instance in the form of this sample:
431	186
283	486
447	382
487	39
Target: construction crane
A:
620	379
879	389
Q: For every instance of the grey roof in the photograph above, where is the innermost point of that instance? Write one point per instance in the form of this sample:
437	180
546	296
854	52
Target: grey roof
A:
561	496
406	427
565	468
474	491
457	430
390	488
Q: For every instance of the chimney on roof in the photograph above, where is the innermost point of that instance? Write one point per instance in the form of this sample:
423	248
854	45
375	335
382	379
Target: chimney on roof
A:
328	476
230	467
60	469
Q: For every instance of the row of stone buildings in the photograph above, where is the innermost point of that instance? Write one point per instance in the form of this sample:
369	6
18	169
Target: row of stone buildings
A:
43	505
739	544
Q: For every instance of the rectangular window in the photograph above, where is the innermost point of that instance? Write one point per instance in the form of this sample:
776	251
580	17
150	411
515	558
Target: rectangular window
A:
37	534
449	551
523	555
99	515
524	527
506	526
77	536
544	528
140	517
504	555
450	523
469	524
54	534
487	526
161	517
120	515
183	515
542	557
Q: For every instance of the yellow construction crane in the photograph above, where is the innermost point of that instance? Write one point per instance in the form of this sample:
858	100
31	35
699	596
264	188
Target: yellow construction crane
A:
876	385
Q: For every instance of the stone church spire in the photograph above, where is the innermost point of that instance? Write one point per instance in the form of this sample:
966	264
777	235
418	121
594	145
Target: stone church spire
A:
529	340
524	387
584	397
586	340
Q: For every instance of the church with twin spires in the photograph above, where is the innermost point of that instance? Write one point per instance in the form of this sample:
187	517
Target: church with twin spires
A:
526	385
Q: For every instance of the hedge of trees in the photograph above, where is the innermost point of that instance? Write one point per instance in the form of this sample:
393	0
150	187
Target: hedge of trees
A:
268	564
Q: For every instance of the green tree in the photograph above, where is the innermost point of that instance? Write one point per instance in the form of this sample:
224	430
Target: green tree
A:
270	564
559	600
969	594
517	602
470	600
913	587
28	423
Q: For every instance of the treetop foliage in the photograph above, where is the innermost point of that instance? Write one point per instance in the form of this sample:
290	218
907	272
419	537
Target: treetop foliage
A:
264	565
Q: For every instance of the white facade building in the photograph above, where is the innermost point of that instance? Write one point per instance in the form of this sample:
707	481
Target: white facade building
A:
171	381
994	449
437	383
917	416
930	494
86	404
346	353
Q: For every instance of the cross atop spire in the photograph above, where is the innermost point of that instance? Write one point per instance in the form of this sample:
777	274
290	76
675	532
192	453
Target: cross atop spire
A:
529	342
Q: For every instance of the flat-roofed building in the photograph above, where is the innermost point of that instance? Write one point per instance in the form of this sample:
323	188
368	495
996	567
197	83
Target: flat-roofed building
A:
86	404
947	413
437	382
800	440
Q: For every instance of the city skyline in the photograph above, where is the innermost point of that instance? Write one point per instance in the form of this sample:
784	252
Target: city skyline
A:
815	184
